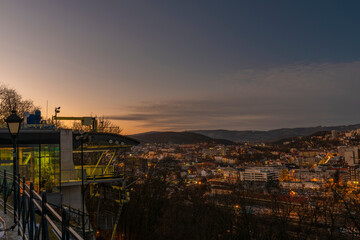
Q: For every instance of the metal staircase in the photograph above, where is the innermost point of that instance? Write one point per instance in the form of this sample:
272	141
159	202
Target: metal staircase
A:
34	217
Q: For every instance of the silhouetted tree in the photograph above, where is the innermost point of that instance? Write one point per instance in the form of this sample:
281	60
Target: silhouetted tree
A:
10	100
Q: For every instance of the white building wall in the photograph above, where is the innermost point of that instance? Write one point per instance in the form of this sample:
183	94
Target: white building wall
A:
259	175
352	156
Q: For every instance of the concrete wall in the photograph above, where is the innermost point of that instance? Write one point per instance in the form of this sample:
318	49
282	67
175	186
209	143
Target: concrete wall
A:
72	196
66	152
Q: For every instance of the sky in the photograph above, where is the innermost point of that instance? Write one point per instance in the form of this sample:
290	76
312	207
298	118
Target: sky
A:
185	65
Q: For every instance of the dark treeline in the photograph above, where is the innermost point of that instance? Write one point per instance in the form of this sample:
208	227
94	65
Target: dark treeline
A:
160	211
162	206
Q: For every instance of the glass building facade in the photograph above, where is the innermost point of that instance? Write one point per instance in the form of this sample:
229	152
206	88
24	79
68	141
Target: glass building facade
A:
39	163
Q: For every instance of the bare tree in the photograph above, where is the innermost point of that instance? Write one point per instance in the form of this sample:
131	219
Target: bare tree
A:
104	125
76	125
11	100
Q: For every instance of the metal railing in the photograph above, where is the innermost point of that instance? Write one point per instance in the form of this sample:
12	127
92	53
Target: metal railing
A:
98	171
70	175
90	173
26	204
76	219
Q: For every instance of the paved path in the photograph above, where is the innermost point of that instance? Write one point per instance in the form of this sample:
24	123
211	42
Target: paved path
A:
6	222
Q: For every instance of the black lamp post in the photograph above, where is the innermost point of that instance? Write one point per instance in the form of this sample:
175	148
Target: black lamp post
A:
14	123
82	137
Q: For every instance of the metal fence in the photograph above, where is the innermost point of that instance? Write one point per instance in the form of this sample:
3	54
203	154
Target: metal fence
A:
71	175
25	204
90	172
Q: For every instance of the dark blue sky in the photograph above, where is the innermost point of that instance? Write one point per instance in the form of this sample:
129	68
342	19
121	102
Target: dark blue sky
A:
175	65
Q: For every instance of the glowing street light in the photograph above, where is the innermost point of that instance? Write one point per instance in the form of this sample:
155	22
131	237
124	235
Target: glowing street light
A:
14	123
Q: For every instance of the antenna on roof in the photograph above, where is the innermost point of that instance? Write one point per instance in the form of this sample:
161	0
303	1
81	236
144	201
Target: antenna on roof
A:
47	108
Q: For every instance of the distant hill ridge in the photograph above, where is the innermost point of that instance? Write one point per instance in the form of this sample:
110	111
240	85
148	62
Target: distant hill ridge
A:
176	138
272	135
225	136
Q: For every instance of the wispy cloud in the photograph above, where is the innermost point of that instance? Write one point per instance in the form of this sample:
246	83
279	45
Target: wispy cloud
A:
288	96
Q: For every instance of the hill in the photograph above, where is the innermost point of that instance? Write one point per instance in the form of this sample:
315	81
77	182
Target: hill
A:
271	135
176	138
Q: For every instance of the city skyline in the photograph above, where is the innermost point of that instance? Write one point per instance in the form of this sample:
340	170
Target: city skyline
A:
191	65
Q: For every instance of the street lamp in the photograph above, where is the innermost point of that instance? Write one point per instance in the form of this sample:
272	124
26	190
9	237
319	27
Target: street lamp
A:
82	137
14	123
57	110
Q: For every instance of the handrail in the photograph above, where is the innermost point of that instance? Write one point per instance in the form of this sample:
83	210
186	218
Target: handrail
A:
74	175
27	200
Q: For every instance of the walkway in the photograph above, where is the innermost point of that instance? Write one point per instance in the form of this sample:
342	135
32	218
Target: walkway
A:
6	222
